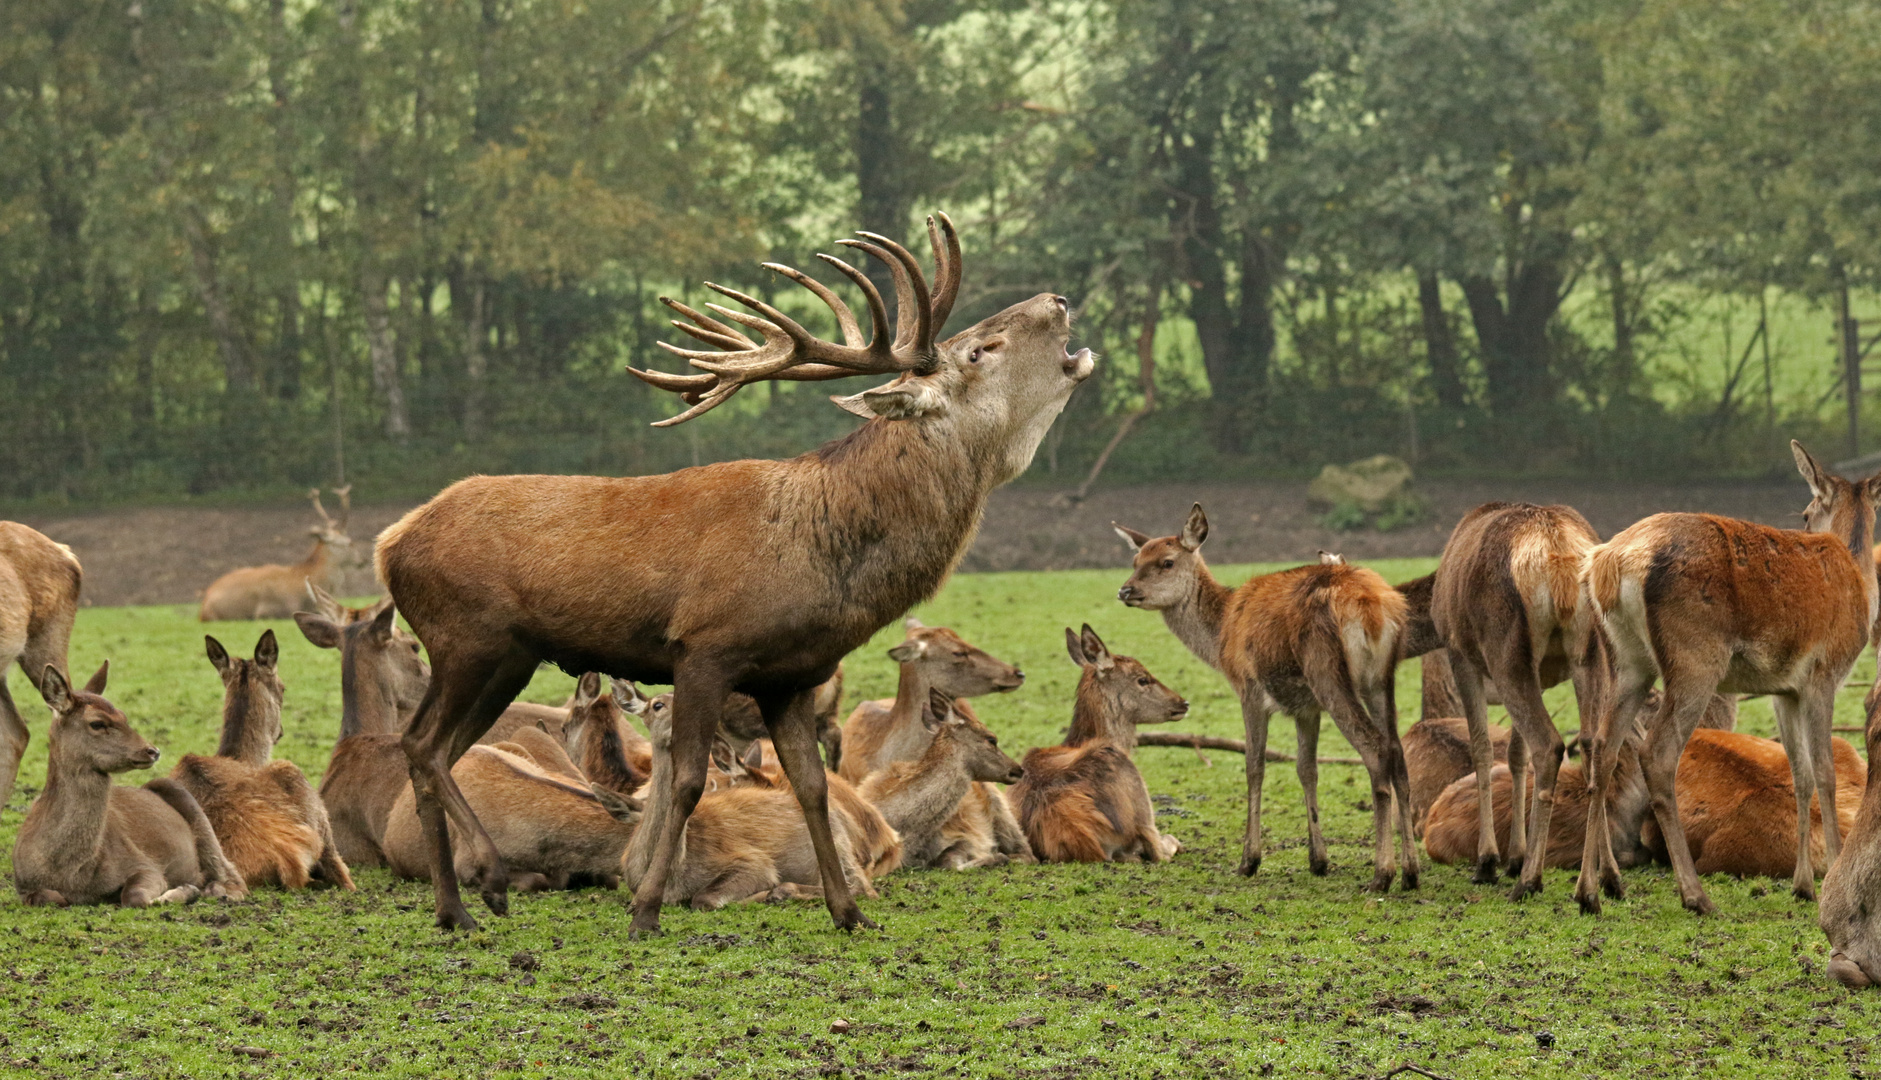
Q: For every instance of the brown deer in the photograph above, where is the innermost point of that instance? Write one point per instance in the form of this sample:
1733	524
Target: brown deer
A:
879	733
1318	637
1085	801
271	824
274	591
919	797
39	583
1506	603
742	722
89	841
1712	604
755	577
1850	913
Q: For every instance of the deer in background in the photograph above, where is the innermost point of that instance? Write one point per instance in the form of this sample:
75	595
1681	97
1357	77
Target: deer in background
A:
277	592
1849	915
754	577
1713	604
1085	801
1313	638
39	583
89	841
919	797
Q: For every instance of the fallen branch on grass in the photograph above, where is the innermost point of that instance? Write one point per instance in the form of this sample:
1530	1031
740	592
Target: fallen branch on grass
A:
1198	743
1407	1067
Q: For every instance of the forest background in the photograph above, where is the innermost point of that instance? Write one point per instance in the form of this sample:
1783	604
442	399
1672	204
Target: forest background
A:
251	245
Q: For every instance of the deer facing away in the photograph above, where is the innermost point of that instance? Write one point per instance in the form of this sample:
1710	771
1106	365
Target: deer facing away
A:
273	591
89	841
755	577
39	583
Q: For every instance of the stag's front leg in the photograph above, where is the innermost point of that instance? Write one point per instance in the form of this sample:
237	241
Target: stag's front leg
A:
792	724
1469	687
699	693
1254	713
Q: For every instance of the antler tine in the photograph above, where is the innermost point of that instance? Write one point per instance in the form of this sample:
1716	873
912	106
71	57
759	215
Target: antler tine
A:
878	311
946	269
345	492
314	494
846	319
910	291
708	330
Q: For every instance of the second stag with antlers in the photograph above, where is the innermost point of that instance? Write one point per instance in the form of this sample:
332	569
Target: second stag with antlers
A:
746	576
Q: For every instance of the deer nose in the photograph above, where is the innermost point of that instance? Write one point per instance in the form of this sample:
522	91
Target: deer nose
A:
1015	775
147	756
1127	593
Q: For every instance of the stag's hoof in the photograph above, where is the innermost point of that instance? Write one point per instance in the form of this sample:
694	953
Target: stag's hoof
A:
455	917
1250	865
1318	865
853	920
1485	870
1700	905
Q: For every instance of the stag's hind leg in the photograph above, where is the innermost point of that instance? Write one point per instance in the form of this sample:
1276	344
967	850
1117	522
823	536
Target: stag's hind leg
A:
792	722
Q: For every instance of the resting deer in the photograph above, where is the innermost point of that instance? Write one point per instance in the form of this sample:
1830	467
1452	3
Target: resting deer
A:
754	577
271	824
274	591
1085	801
89	841
1320	637
39	583
742	722
1850	914
1714	604
879	733
919	797
1506	603
597	735
1437	747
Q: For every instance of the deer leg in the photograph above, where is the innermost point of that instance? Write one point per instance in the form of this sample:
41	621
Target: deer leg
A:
1521	694
1793	722
1469	688
792	724
220	878
1664	744
1600	741
699	693
13	737
1516	856
1254	713
1381	701
1819	716
1007	834
1306	768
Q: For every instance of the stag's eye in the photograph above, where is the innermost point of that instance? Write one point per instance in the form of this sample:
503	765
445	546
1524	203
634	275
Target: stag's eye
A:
1143	683
100	725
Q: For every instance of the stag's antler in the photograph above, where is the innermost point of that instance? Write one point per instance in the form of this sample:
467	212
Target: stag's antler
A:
346	505
314	494
790	352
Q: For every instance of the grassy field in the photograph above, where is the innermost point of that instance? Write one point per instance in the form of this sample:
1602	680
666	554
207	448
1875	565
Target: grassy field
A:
1183	969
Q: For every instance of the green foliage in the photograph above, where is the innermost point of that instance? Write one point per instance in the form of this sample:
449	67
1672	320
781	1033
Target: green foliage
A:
1401	511
1130	970
1344	517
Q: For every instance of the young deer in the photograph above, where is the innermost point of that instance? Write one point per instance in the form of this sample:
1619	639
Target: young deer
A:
1506	602
39	583
274	591
399	675
919	797
1850	915
271	824
1085	801
1315	637
87	840
753	577
879	733
1713	604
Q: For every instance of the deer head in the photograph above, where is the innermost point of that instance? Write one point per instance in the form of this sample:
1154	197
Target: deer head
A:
948	664
1165	569
89	732
996	385
1125	688
251	710
977	747
331	531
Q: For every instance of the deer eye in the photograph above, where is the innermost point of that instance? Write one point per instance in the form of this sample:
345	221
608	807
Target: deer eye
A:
1169	564
100	725
974	356
1142	682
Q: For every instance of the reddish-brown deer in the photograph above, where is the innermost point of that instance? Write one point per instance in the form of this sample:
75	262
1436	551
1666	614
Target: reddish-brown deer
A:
1085	801
1714	604
89	841
1850	914
1507	604
752	576
273	591
879	733
919	797
1319	637
39	583
271	824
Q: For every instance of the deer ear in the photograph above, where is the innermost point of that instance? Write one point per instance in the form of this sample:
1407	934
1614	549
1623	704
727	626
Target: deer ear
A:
96	684
1075	648
908	651
1811	469
268	650
722	755
1135	539
912	623
1327	558
381	626
1095	649
618	806
218	655
587	689
324	603
753	759
1195	530
900	400
629	697
322	631
939	708
55	690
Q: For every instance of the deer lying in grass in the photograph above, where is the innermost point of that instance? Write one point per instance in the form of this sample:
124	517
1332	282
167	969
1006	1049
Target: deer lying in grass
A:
271	824
1437	747
89	841
1713	604
1085	801
1319	637
590	711
743	722
39	583
274	591
1850	914
919	797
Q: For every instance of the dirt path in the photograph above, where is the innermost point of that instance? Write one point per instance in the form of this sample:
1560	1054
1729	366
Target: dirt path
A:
165	555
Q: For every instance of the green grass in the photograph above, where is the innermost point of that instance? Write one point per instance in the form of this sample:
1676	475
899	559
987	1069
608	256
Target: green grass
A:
1174	970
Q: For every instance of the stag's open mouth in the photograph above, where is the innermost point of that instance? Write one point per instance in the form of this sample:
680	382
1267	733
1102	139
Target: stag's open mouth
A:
1080	364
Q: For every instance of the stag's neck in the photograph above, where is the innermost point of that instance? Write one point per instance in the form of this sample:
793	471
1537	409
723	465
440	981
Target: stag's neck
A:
1096	718
249	720
67	821
368	704
314	566
1196	621
919	796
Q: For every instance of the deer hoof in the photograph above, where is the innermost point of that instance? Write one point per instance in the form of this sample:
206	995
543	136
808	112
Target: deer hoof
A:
1804	891
454	917
1589	901
1613	887
1485	870
1250	865
1318	865
1524	889
1700	905
854	920
1381	882
1513	868
1408	882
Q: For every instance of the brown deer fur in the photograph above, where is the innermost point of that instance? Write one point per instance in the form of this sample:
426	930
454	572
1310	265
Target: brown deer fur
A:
1437	755
755	577
397	674
1507	604
1712	604
742	722
1085	801
88	841
874	844
39	583
270	823
930	658
919	797
274	591
1850	914
1320	637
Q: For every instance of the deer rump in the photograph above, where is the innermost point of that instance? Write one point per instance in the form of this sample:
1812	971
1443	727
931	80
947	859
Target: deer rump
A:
1084	804
264	817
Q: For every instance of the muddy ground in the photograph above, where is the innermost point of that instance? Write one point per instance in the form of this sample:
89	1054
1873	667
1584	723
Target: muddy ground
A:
165	555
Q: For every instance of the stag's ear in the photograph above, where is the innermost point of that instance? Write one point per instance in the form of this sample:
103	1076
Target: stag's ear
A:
618	806
218	655
900	400
1135	539
1812	470
629	697
55	690
1076	649
322	631
908	651
587	689
1195	530
1094	648
379	631
268	650
96	684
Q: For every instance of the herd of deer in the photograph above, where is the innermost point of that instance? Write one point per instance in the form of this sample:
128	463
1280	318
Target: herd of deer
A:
745	584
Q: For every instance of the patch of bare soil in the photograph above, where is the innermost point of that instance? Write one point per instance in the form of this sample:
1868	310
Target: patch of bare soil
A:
166	555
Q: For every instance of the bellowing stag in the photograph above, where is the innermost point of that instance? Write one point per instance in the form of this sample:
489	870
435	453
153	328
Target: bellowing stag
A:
754	577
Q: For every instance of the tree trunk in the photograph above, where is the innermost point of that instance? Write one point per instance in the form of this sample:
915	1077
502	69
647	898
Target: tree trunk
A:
1439	343
474	361
882	204
287	348
379	344
1514	339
